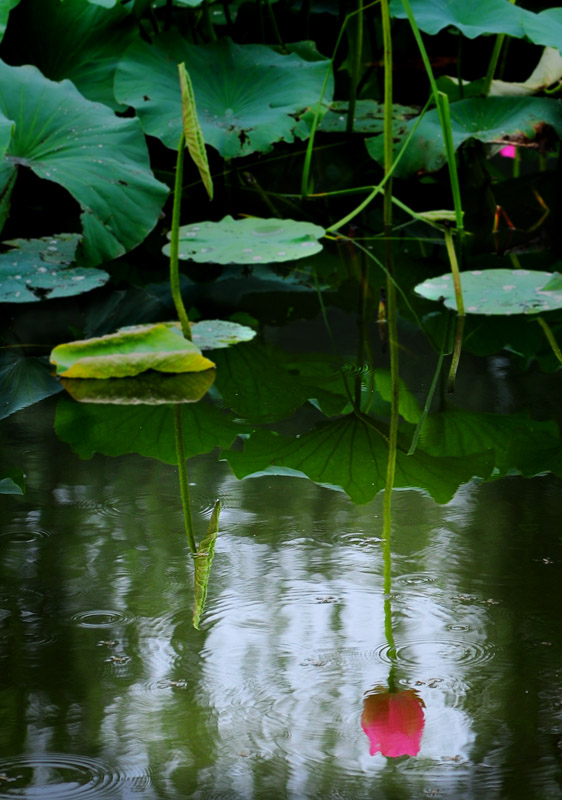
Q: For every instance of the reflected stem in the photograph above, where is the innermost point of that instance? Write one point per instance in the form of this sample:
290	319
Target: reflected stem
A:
182	472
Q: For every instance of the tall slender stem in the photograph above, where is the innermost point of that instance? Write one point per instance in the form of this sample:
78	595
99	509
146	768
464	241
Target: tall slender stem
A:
182	472
174	244
355	74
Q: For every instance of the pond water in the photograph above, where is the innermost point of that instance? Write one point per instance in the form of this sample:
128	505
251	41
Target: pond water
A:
108	691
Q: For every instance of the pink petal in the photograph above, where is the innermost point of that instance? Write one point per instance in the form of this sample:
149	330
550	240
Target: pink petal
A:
508	151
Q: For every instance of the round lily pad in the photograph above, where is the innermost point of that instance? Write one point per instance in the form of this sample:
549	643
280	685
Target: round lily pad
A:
498	291
248	241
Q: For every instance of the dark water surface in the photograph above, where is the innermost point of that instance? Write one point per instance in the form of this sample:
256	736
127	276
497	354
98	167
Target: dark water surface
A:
107	691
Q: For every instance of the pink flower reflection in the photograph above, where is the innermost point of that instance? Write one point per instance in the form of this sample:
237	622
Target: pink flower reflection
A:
393	721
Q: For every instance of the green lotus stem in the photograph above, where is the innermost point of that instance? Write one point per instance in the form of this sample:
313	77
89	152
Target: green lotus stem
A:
445	122
494	58
357	60
456	354
275	26
550	337
451	252
182	472
174	245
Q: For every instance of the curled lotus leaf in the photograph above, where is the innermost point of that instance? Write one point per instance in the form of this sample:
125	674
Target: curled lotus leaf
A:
128	353
248	241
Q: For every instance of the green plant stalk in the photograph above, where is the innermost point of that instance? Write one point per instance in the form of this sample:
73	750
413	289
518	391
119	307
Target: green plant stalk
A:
445	118
305	179
355	76
550	337
182	472
452	163
174	245
456	354
427	406
451	252
380	186
275	26
494	58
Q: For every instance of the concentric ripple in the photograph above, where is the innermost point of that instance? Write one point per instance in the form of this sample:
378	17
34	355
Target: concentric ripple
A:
101	618
463	652
57	776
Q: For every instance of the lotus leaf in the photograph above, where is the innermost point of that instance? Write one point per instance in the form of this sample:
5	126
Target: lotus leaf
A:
38	269
248	241
100	159
5	7
148	430
349	454
248	96
75	40
23	382
496	291
127	353
12	481
472	19
369	116
488	119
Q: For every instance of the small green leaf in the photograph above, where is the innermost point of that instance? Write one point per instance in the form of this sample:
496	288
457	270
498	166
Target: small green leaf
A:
12	481
23	382
248	241
128	353
497	291
192	130
203	561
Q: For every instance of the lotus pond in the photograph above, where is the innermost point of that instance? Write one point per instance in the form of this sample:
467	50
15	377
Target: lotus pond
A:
280	400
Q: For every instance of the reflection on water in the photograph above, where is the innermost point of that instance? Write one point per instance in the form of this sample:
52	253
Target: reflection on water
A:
107	691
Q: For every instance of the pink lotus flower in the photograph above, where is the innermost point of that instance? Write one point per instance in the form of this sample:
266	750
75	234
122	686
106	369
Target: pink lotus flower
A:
508	151
393	721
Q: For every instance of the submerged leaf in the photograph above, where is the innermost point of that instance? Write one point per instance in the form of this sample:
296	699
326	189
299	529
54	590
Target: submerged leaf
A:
128	353
39	269
23	382
497	291
248	95
203	561
252	240
192	130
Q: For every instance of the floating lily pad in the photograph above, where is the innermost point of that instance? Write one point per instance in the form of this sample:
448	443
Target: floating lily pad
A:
127	353
211	334
248	241
497	291
248	96
38	269
150	388
369	116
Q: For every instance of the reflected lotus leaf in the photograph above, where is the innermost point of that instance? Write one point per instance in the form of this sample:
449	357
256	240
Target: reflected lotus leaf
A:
351	454
203	562
12	481
248	241
393	721
148	430
128	353
147	389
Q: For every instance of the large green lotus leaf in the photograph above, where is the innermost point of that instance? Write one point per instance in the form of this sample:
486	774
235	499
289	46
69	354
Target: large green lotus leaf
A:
150	388
545	28
464	433
116	430
100	159
12	481
75	40
38	269
5	7
349	454
496	291
128	353
472	19
211	334
248	241
23	382
488	119
248	96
